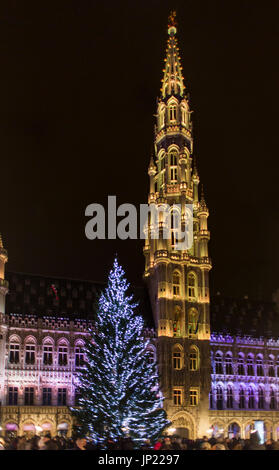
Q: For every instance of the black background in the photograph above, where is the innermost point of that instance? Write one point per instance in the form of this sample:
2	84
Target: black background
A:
78	87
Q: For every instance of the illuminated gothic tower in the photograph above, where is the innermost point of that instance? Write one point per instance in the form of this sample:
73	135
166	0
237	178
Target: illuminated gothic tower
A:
178	280
3	326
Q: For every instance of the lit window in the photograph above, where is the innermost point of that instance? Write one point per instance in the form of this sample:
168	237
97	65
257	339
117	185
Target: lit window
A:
260	371
194	397
251	398
177	396
176	284
177	358
193	359
191	286
219	398
241	364
261	398
174	228
193	323
241	398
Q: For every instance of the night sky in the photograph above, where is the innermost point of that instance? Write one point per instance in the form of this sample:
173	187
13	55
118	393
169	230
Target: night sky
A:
79	81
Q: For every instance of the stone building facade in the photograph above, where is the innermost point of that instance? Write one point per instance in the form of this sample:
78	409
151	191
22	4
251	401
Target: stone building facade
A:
218	361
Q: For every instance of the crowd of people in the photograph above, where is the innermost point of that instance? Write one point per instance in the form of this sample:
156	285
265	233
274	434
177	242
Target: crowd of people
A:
47	442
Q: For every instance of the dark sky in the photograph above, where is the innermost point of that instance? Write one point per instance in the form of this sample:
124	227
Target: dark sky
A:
79	81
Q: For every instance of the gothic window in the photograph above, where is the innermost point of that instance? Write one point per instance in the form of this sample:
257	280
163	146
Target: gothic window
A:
193	358
261	398
151	356
194	396
62	355
29	396
13	396
77	396
62	397
193	323
241	398
229	397
251	398
240	367
174	228
177	357
30	354
79	356
46	396
172	112
272	403
192	287
176	283
218	363
250	364
228	364
260	371
173	167
14	353
177	396
47	354
271	370
219	397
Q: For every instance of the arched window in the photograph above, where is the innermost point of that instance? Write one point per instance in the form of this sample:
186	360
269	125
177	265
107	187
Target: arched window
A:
218	363
241	398
271	371
229	397
192	286
14	351
79	355
151	355
250	364
251	398
272	403
193	358
48	352
219	397
240	367
173	167
177	357
228	364
193	323
260	371
63	353
175	222
30	350
261	398
176	283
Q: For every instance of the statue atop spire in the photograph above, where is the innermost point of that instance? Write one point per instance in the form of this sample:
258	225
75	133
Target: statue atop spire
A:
172	23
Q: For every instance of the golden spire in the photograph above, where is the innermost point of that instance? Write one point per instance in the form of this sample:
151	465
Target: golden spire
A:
172	82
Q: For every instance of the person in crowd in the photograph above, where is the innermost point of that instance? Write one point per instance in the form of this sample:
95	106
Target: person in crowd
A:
49	444
158	444
205	446
80	443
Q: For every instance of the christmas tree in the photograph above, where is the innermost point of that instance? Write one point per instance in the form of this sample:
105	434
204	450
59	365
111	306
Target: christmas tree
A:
119	385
